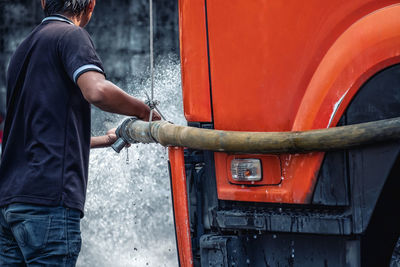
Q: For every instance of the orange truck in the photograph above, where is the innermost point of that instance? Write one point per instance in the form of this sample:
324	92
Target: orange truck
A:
274	65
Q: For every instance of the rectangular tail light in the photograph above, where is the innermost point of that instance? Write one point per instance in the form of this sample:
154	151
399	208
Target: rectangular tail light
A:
246	170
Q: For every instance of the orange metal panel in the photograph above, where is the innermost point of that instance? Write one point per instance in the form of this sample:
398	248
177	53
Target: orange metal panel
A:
263	55
286	65
194	61
181	210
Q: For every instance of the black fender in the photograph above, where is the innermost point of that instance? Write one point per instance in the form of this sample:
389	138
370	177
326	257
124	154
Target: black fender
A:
366	180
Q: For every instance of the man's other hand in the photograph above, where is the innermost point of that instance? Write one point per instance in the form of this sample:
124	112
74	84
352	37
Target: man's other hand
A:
104	140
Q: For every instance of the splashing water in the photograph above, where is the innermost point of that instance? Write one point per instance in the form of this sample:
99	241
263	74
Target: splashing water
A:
128	214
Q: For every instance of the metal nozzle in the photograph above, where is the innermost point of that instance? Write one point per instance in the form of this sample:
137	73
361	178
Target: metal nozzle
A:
123	138
119	145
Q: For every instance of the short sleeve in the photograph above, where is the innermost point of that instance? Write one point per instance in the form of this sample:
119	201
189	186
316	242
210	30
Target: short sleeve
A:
78	54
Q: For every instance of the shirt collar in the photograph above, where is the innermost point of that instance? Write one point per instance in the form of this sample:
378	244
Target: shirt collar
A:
57	17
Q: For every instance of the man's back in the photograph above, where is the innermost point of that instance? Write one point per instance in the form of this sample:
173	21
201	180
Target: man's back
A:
47	131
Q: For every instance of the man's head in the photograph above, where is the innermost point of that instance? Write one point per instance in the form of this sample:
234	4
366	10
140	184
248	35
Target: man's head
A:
78	9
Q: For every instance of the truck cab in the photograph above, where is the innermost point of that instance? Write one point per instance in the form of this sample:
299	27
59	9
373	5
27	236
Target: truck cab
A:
276	66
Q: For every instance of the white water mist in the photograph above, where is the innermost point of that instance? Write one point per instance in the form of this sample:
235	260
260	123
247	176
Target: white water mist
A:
128	214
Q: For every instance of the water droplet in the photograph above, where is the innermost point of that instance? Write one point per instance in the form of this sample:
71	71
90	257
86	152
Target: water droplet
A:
127	156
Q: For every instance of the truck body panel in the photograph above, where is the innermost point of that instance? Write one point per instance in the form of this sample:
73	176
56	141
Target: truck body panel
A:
289	66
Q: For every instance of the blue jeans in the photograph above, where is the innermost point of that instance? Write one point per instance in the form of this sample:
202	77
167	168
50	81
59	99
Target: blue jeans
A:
34	235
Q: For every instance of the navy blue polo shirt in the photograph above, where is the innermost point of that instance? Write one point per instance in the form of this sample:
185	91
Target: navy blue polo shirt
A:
47	128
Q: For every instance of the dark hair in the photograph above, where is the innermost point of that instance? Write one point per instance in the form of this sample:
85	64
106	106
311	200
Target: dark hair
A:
70	7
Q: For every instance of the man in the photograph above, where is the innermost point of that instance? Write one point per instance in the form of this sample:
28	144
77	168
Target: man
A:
52	77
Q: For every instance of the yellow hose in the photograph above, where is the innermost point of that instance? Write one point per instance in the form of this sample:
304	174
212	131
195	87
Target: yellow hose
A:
335	138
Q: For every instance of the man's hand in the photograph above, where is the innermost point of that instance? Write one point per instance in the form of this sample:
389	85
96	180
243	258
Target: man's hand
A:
155	117
104	140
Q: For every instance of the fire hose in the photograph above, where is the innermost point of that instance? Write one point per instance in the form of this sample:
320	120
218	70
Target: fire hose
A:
336	138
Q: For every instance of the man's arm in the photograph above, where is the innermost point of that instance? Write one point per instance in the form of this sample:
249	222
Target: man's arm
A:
109	97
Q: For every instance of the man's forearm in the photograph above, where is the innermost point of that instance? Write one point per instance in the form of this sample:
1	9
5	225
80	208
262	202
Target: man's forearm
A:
100	141
115	100
109	97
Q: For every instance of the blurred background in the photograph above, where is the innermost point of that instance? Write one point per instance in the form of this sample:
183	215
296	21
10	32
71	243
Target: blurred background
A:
128	215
